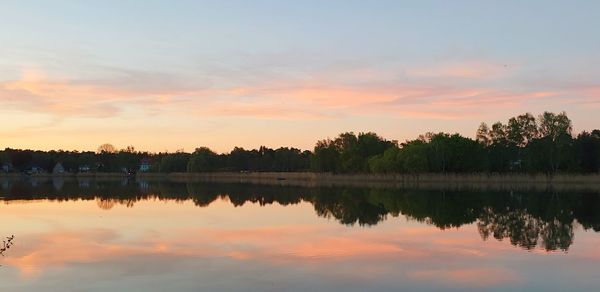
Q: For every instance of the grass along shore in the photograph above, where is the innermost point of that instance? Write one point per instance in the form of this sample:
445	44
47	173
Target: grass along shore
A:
433	181
477	181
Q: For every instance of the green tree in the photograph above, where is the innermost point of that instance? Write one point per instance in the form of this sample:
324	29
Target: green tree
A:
413	156
522	129
587	151
388	162
290	159
553	150
498	133
174	162
483	135
453	153
203	160
108	148
355	151
554	125
325	156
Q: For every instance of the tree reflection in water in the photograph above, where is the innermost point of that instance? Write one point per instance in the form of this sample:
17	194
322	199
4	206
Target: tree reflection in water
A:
526	219
525	230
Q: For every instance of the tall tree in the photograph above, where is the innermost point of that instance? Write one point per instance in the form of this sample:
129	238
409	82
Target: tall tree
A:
108	148
325	156
483	135
554	125
587	151
522	129
203	160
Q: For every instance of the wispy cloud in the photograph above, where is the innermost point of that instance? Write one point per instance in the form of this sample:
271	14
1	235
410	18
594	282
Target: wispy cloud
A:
472	69
37	92
417	93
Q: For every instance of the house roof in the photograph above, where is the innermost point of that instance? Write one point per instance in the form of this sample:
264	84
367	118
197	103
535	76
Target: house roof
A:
146	160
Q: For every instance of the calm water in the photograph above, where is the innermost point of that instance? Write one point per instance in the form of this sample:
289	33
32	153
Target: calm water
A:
157	236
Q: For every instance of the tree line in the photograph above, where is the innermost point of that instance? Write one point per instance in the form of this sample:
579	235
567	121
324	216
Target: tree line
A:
525	143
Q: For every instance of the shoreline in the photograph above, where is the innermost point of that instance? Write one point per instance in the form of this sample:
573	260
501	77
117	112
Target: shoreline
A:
481	181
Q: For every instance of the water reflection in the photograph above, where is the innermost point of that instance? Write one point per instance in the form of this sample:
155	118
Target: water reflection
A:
526	219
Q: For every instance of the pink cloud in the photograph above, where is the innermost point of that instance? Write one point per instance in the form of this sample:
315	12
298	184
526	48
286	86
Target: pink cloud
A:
431	102
263	111
36	92
296	99
586	95
475	69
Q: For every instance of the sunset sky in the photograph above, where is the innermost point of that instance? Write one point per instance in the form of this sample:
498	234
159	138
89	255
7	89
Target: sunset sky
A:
166	75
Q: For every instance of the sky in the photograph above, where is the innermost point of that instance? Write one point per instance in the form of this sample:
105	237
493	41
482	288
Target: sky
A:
170	75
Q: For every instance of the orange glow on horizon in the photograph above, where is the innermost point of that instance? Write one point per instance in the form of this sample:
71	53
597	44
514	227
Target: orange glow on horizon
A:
49	113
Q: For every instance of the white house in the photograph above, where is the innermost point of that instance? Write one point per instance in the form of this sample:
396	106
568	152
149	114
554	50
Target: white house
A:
58	169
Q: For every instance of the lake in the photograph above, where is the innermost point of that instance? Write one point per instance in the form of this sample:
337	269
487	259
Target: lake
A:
128	235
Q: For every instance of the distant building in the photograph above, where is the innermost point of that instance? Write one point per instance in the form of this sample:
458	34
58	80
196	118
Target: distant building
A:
84	168
516	164
7	167
58	169
145	165
34	169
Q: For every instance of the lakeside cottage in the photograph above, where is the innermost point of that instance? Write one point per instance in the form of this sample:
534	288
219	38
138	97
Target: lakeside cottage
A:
7	167
58	169
34	169
84	168
145	164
